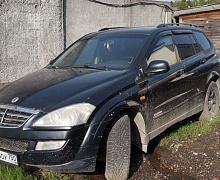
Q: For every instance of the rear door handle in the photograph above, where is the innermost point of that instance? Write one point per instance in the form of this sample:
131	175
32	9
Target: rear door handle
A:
203	61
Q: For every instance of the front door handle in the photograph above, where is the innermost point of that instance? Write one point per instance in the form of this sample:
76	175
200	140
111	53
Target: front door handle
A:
180	73
203	61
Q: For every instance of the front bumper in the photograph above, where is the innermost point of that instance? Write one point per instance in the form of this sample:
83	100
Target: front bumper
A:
18	137
75	166
77	155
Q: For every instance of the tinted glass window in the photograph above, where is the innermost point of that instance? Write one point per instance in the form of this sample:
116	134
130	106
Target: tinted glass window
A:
203	41
112	51
164	50
184	45
196	45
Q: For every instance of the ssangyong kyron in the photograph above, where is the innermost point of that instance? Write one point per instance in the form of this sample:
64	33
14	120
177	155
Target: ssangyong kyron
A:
108	90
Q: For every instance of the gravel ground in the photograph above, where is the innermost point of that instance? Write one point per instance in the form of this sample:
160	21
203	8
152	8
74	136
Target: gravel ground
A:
199	159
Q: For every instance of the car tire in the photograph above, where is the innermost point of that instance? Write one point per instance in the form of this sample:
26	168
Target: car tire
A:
118	151
211	105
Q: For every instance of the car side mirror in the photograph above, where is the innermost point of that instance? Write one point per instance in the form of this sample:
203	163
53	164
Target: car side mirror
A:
157	67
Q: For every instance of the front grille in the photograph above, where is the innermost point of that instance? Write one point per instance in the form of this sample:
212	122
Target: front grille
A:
11	116
13	145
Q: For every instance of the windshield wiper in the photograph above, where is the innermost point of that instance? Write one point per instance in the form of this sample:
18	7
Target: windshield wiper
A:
90	67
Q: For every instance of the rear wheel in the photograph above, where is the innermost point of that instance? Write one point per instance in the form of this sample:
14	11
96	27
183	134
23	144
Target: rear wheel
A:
118	150
211	105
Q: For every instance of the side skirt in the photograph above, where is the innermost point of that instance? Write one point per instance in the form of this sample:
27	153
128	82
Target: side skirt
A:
159	130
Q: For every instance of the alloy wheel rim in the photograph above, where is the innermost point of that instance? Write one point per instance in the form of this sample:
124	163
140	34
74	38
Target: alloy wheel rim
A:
212	101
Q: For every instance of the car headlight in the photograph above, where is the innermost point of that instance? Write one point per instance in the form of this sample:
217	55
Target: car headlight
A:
68	116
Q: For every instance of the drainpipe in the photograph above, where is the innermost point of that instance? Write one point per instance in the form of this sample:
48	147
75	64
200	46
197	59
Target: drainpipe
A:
64	24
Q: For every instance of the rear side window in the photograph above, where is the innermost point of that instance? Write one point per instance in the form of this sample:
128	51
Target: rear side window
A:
203	41
184	45
164	50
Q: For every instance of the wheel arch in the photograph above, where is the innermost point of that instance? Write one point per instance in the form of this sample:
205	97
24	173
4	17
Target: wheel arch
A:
138	126
218	84
215	77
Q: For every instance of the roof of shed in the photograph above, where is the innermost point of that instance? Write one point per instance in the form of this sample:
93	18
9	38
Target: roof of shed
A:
197	9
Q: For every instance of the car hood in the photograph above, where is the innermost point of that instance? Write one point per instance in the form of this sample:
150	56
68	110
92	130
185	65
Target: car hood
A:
48	88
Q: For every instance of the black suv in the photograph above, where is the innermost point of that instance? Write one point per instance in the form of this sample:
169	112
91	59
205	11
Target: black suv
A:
107	90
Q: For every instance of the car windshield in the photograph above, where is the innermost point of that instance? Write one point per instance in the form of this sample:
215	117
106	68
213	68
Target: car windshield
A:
109	51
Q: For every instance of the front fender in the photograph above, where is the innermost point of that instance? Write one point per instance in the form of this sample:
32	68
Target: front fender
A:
112	113
98	126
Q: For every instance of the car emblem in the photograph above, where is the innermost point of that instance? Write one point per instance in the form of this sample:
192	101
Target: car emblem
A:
15	100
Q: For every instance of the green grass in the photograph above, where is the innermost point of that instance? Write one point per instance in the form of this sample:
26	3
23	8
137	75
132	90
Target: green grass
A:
14	173
20	173
54	176
187	130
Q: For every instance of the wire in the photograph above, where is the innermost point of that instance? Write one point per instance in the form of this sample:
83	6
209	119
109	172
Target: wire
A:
133	4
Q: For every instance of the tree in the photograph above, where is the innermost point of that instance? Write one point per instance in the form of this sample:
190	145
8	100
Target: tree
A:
181	4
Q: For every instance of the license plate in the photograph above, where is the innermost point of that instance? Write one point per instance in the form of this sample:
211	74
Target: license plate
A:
8	158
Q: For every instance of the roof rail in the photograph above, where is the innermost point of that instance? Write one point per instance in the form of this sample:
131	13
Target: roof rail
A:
176	24
104	29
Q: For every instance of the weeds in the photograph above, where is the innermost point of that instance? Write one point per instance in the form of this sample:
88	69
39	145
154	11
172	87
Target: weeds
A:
188	129
19	173
14	173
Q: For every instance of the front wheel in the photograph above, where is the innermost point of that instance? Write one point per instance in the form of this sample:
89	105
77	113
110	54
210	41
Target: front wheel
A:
118	150
211	105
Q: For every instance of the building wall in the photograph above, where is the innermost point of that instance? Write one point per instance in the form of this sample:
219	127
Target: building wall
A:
210	23
96	16
33	32
30	36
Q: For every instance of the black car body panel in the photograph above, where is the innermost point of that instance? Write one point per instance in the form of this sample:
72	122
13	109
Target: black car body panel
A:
48	87
161	99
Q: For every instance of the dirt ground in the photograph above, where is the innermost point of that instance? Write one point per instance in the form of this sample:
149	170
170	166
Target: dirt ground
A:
198	159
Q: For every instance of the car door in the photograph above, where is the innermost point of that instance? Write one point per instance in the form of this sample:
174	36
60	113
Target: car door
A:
198	68
194	60
166	95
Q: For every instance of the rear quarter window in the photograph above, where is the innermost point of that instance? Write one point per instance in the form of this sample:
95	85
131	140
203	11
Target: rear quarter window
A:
202	40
